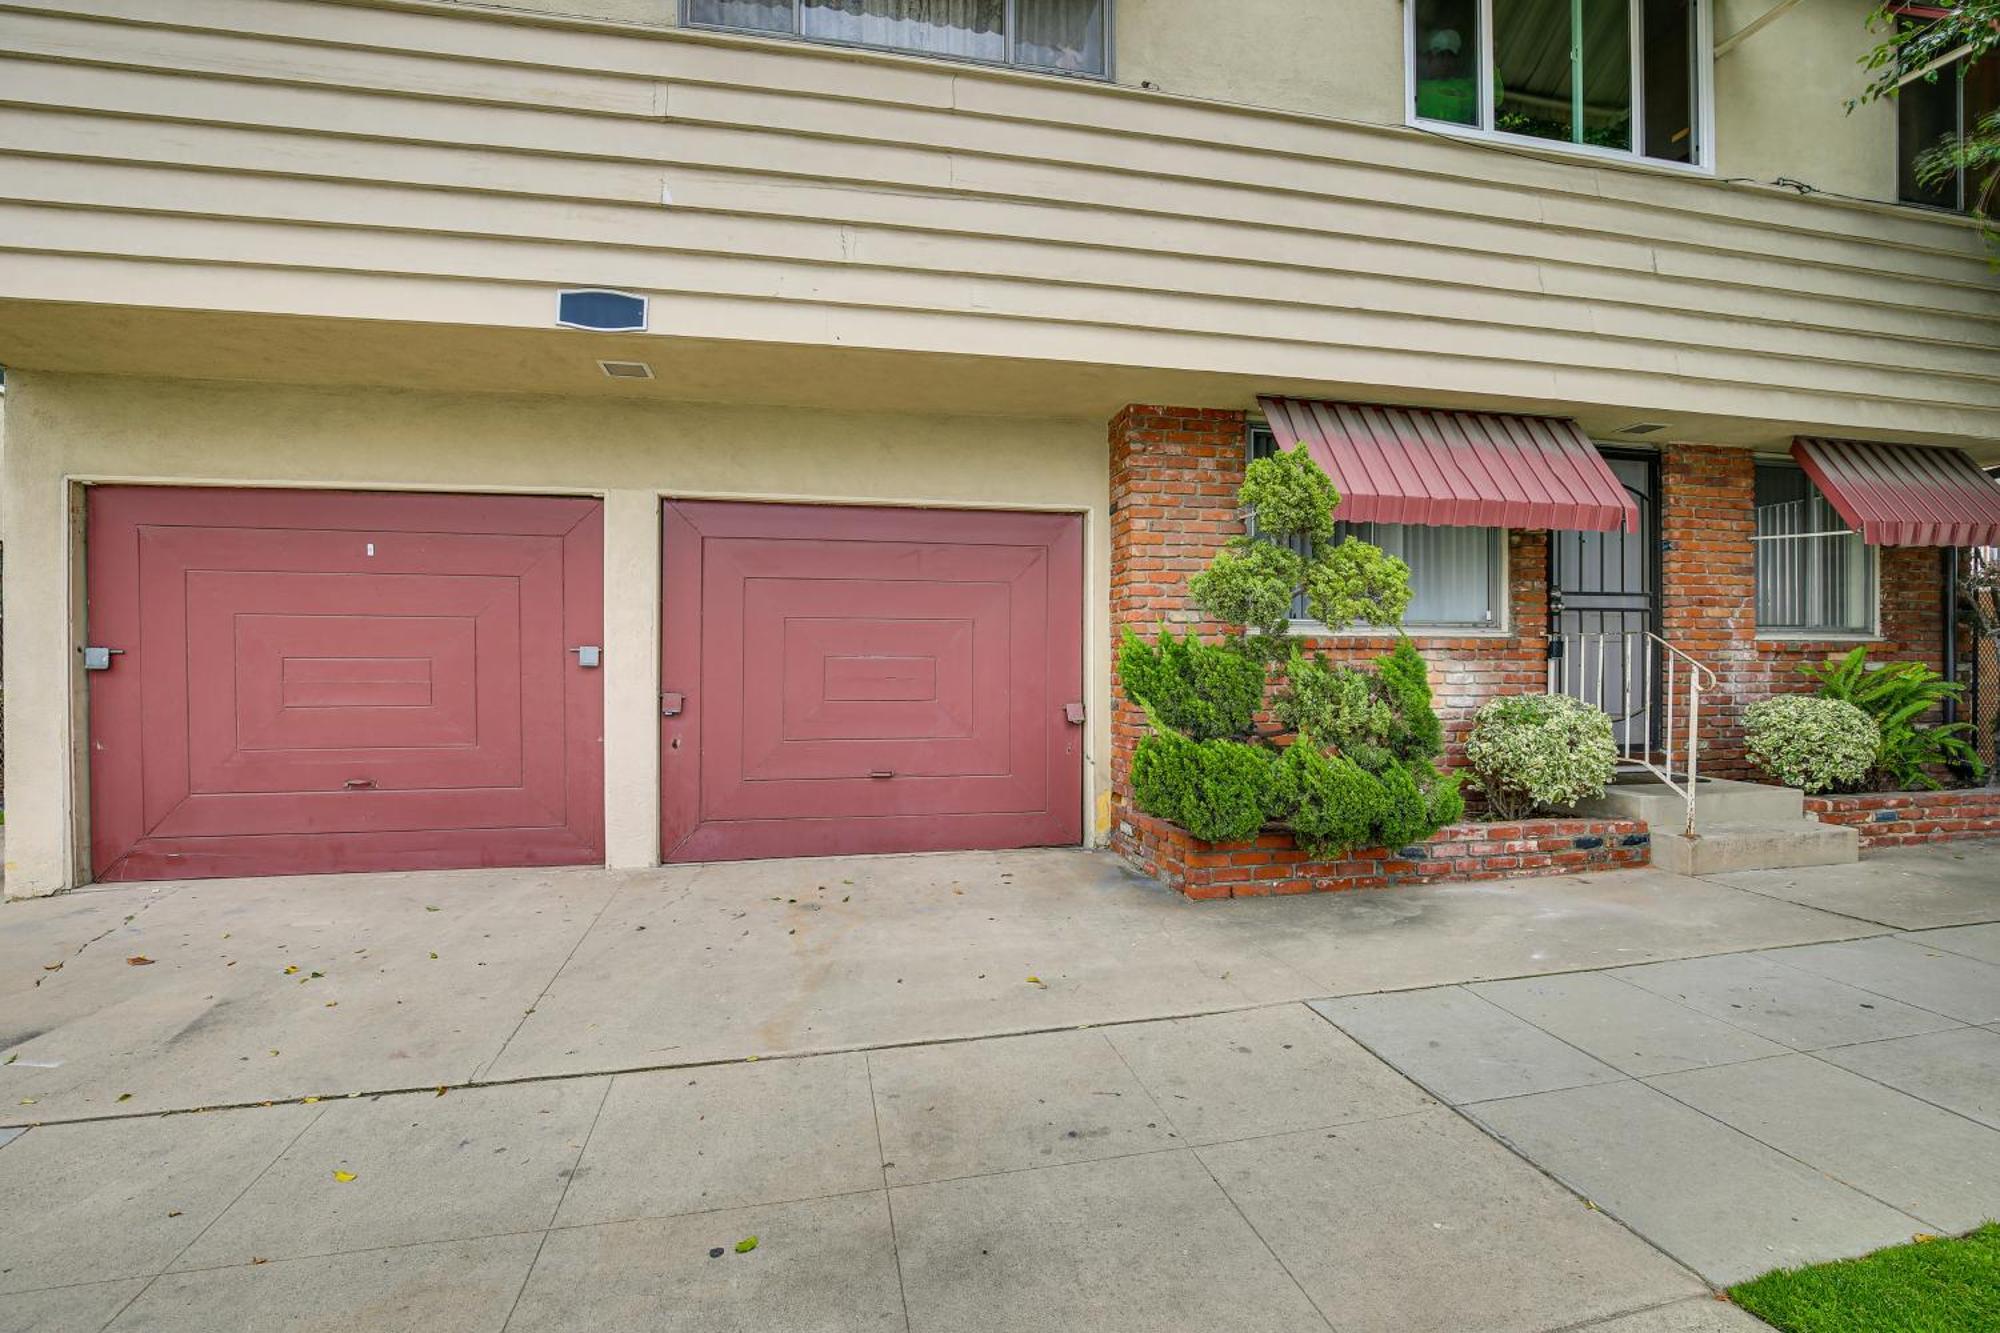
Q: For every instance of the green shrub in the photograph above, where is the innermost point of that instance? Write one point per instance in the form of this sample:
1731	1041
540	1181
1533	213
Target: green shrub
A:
1336	706
1327	800
1217	790
1444	802
1406	682
1356	583
1290	495
1815	744
1206	690
1406	814
1532	750
1897	695
1374	720
1250	582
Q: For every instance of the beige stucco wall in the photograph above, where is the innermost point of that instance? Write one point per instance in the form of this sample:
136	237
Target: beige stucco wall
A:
68	428
1781	100
1340	58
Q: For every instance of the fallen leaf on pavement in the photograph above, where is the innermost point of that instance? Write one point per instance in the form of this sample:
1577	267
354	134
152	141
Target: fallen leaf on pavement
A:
124	1096
440	1089
433	955
138	960
1037	981
173	1212
51	967
255	1260
343	1176
747	1244
293	968
431	909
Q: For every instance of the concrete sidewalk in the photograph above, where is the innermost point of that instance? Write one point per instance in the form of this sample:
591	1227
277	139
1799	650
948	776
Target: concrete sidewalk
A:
1152	1133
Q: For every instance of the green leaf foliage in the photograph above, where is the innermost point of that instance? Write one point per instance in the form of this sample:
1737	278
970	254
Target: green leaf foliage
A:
1356	583
1250	583
1218	790
1406	681
1330	803
1898	696
1406	814
1374	719
1527	751
1337	707
1814	744
1204	690
1290	495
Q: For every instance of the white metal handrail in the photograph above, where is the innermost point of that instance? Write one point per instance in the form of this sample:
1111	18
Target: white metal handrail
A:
1630	674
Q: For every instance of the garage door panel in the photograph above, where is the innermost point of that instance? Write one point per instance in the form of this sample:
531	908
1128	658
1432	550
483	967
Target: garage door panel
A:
869	680
367	811
354	674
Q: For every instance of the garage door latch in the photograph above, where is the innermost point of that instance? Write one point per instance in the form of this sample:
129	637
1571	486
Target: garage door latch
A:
1073	714
99	659
671	703
589	655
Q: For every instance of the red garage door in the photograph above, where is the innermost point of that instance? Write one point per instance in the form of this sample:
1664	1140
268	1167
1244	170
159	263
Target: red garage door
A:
870	680
320	681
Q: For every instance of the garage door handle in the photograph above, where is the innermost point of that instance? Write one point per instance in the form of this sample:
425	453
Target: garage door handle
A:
1073	714
882	773
358	784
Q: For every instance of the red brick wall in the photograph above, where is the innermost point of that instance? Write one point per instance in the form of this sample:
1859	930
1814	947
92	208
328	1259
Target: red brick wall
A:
1174	476
1889	819
1271	864
1709	605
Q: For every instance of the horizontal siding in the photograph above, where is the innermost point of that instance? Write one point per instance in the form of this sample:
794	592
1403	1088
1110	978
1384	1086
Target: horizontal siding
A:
831	197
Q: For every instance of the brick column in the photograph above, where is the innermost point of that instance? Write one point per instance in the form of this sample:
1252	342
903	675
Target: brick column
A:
1174	476
1708	585
1709	598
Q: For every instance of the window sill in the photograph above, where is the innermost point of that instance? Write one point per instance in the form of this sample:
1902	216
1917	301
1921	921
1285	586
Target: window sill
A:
1555	150
1312	629
1830	636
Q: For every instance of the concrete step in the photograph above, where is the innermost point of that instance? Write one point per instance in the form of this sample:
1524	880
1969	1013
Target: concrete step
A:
1663	809
1724	845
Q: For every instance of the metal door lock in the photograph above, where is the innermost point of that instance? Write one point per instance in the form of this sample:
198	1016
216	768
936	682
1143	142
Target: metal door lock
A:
1074	714
99	659
671	703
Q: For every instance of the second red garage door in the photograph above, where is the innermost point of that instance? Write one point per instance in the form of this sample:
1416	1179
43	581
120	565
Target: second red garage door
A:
313	681
843	680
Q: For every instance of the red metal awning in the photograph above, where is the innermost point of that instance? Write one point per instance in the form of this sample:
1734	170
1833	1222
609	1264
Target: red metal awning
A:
1456	469
1905	494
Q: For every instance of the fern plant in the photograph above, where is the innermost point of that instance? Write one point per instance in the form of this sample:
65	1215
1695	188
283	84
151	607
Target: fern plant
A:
1898	695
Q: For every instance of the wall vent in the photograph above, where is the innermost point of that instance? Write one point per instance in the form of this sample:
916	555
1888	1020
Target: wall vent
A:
600	310
626	370
1641	428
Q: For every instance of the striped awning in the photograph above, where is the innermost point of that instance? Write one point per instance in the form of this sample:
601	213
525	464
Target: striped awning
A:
1456	469
1904	494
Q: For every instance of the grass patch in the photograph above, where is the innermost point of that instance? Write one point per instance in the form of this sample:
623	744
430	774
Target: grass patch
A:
1933	1286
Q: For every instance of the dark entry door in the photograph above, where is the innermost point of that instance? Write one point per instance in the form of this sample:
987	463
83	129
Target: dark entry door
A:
1603	601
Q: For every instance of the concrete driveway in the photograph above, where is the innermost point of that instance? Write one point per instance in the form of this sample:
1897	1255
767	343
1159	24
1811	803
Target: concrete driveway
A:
1023	1090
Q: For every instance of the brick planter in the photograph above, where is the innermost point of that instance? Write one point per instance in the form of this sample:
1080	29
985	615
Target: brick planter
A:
1895	818
1272	864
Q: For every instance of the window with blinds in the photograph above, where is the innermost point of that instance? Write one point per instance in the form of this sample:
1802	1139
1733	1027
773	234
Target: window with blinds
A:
1457	575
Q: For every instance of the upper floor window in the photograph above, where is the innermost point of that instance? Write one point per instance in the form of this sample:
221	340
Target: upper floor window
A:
1067	36
1622	77
1814	574
1928	110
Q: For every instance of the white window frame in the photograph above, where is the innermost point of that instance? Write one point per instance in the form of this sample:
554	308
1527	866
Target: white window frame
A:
1704	43
1872	555
686	9
1502	626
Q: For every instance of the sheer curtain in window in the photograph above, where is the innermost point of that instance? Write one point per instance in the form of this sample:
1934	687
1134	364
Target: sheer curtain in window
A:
1060	34
972	28
760	15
